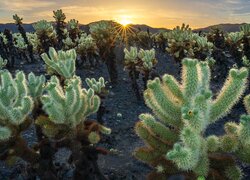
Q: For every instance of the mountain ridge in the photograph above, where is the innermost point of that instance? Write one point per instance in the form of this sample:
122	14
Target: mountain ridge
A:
228	27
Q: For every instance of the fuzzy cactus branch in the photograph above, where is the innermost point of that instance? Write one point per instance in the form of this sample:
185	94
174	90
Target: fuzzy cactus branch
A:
72	106
61	62
185	110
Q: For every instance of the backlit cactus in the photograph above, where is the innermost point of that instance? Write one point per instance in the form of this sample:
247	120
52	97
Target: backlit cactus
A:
15	103
70	106
73	29
148	59
87	49
60	26
176	143
105	35
3	63
180	42
245	29
18	22
97	86
19	42
61	63
234	42
45	34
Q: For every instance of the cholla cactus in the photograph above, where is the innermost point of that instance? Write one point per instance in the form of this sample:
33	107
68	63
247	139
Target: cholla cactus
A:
160	40
176	144
73	28
60	26
61	63
97	86
19	42
68	107
148	59
104	34
245	29
45	34
5	40
15	104
180	42
87	49
17	19
3	63
202	48
131	56
33	40
18	22
234	37
234	42
68	43
216	36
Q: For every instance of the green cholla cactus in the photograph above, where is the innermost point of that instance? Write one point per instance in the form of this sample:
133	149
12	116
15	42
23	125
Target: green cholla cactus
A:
68	43
86	47
73	28
105	35
73	24
33	40
177	143
36	85
180	42
44	26
68	107
234	37
61	63
5	40
144	60
131	57
59	15
19	42
15	103
148	59
97	86
46	35
245	29
3	63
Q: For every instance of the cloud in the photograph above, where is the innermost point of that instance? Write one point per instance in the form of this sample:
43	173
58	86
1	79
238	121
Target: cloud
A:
28	5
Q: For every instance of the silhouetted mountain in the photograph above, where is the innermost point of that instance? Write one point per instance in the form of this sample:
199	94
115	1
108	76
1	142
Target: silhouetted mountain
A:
224	27
85	27
143	27
13	27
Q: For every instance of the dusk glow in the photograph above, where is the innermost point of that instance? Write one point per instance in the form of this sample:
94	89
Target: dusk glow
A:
158	13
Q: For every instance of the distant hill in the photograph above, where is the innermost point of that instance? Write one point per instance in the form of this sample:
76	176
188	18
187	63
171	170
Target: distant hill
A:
85	27
224	27
13	27
143	27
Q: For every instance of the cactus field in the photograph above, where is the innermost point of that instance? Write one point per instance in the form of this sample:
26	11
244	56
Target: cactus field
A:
113	101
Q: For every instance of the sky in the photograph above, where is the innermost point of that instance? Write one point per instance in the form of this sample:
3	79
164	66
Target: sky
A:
156	13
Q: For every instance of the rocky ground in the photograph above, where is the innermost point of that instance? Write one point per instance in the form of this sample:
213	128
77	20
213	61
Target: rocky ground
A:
122	113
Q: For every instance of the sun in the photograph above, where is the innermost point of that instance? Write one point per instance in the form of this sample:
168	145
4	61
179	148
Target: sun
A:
125	21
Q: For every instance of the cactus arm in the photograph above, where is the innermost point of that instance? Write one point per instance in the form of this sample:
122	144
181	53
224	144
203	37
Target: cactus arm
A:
152	141
190	78
156	96
247	103
230	94
166	134
174	87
